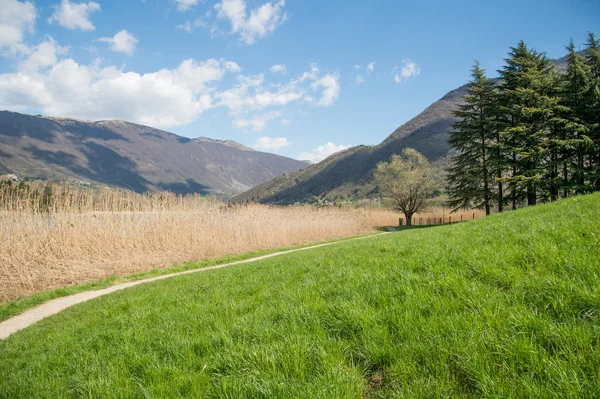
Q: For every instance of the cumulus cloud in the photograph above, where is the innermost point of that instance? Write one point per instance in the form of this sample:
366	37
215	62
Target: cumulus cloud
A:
250	94
16	19
359	79
166	98
371	67
278	68
257	123
43	55
184	5
260	22
46	81
410	69
74	16
273	144
122	42
322	152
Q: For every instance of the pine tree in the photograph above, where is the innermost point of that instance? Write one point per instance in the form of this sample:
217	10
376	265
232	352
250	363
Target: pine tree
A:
527	108
472	175
569	140
592	114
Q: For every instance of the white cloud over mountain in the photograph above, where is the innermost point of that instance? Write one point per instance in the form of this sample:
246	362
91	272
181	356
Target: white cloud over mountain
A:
270	144
322	152
166	98
258	122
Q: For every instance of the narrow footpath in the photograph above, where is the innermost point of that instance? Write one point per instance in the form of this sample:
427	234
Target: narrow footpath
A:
54	306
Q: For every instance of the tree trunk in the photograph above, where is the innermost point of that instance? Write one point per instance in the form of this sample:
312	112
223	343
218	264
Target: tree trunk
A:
531	195
500	196
514	184
499	175
486	185
408	216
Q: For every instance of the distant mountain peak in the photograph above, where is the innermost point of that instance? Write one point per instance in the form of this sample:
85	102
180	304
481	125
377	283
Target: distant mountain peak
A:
229	143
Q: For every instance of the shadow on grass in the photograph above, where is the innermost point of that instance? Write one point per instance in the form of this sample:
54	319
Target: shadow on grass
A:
413	227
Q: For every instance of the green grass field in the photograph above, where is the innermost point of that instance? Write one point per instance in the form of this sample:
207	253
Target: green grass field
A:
507	306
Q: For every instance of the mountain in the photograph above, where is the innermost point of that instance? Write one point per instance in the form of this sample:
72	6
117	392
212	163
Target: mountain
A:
349	174
132	156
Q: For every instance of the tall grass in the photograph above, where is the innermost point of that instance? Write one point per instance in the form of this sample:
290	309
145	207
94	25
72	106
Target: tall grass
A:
66	235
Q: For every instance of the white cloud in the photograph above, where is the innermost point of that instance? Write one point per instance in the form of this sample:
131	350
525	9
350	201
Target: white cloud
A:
331	89
166	98
410	69
189	25
286	122
357	67
257	123
43	55
249	94
312	75
261	21
184	5
359	79
278	68
322	152
122	42
371	67
74	16
16	19
268	143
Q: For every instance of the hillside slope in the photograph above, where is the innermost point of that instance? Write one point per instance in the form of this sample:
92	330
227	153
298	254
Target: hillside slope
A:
133	156
501	307
348	174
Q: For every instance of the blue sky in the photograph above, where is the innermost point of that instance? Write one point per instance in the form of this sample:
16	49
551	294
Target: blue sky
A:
302	78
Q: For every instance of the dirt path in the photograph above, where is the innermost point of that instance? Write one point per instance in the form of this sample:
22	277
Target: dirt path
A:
31	316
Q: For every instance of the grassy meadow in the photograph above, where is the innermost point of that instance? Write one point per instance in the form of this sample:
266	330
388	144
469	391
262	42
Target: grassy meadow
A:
505	306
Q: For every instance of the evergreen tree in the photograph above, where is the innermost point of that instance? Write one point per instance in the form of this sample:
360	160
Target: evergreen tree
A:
569	142
592	114
527	108
472	176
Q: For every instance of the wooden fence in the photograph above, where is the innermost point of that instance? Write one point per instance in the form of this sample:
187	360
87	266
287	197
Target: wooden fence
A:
432	221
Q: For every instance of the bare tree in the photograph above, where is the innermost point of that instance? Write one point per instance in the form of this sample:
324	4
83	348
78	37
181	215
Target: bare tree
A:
408	181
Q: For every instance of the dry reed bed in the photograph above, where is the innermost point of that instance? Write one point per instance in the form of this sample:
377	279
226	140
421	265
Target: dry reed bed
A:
40	250
69	235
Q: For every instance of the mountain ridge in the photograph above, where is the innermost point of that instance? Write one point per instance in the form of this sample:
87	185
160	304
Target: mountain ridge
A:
129	155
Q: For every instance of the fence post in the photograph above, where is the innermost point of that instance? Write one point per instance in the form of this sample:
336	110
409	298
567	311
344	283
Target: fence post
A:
461	218
473	215
401	222
450	219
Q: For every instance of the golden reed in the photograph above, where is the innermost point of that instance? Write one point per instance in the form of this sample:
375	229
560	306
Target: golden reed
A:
59	235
